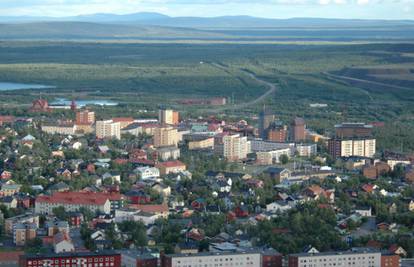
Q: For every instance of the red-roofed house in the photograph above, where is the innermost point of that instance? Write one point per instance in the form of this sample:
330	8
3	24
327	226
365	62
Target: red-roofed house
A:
171	167
369	188
73	201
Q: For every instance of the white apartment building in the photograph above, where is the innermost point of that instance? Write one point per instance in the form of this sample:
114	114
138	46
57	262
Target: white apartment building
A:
69	129
240	259
360	148
108	129
360	258
235	147
271	157
306	150
259	145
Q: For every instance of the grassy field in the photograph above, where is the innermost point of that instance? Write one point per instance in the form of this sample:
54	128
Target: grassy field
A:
145	76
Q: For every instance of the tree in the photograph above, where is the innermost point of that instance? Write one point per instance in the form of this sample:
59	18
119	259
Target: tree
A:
60	213
284	159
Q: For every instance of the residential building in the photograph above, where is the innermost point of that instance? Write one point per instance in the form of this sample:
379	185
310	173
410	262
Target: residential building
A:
133	128
108	129
124	121
271	157
133	258
259	145
23	232
101	259
171	167
207	143
277	133
73	201
165	136
360	258
353	130
10	258
168	116
235	147
168	153
266	118
244	258
62	243
10	223
306	150
148	173
85	117
352	148
59	128
298	130
9	189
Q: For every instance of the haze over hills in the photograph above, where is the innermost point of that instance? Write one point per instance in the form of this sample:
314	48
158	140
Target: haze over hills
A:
150	18
155	25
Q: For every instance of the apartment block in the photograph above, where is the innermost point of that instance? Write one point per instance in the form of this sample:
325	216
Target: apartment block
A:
165	136
108	129
235	147
168	116
352	148
85	117
360	258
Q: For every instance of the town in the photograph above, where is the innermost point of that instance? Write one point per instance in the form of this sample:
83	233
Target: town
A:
169	189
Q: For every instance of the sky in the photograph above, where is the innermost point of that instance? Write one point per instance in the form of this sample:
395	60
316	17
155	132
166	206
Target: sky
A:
355	9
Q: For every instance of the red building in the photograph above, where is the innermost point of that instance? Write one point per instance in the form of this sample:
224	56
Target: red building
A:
298	130
147	261
40	105
271	258
390	260
101	259
241	211
75	219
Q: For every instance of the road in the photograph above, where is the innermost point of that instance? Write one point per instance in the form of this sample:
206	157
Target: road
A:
272	89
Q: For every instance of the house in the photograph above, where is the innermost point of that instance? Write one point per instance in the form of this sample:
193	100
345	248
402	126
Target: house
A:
315	192
278	206
411	205
198	204
369	188
171	167
364	211
59	187
162	189
397	250
6	175
278	174
241	211
62	243
159	209
392	208
147	173
54	226
9	189
9	202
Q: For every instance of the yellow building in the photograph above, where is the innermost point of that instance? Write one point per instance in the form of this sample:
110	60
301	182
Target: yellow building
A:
201	144
165	136
108	129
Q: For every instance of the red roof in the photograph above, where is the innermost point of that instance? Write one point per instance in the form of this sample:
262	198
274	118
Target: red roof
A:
155	208
169	164
123	119
9	256
86	198
7	119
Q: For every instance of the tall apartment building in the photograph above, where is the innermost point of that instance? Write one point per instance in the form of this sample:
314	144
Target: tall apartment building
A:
352	148
108	129
360	258
277	133
168	116
298	130
85	117
235	147
165	136
266	118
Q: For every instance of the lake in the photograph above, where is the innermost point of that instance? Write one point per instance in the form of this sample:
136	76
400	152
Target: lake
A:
20	86
82	103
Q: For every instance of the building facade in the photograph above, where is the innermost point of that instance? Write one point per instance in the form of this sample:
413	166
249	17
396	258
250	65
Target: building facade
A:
235	147
108	129
165	136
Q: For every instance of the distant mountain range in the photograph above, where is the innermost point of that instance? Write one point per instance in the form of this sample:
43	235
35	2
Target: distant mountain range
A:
155	25
148	18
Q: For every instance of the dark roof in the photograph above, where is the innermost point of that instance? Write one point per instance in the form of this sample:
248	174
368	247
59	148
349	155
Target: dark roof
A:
75	254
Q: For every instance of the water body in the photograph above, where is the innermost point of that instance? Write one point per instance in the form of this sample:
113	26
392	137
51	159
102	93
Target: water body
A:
21	86
82	103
